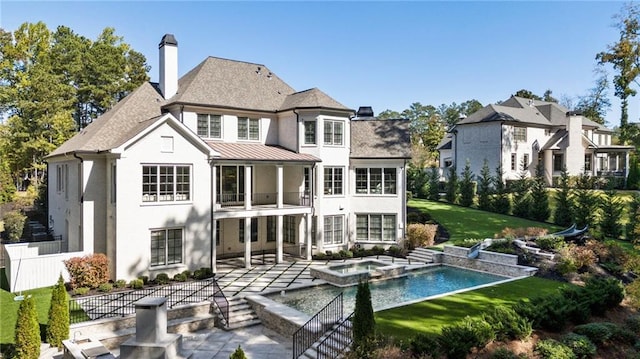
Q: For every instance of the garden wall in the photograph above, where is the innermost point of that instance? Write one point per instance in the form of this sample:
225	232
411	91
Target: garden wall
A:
496	263
277	317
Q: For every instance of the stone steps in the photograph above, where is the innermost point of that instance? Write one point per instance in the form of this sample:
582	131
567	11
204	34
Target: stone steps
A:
420	255
241	314
340	339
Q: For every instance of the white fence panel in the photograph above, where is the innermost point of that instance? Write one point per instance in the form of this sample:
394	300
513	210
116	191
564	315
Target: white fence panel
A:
25	269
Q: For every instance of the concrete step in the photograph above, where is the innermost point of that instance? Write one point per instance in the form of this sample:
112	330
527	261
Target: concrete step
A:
241	314
340	338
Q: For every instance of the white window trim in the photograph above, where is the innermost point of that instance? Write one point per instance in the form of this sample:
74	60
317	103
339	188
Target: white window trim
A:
382	217
175	199
324	189
209	115
333	131
248	121
333	230
315	133
382	183
182	246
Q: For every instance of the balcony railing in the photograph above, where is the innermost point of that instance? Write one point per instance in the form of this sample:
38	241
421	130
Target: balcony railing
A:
257	199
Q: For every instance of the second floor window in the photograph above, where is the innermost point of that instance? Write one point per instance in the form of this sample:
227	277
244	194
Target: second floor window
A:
209	126
248	128
333	133
376	180
558	162
310	132
166	183
520	134
332	180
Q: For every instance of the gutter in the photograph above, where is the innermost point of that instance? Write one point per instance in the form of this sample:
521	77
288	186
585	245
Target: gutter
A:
81	184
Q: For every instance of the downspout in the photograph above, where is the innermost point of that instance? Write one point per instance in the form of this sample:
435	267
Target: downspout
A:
211	220
81	179
297	131
182	114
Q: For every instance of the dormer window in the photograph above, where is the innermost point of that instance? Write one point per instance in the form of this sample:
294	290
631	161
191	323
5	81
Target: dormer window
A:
248	128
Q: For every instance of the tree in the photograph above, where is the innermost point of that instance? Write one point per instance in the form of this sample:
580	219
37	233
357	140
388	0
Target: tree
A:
238	354
389	115
612	208
434	185
427	129
451	114
484	187
417	179
58	326
548	98
595	104
7	187
633	180
624	56
501	202
563	214
467	187
527	94
633	225
539	210
27	332
364	324
521	197
587	202
452	186
54	83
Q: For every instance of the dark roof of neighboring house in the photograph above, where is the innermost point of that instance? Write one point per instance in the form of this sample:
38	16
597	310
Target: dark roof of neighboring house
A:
380	139
445	143
312	98
526	111
258	152
127	118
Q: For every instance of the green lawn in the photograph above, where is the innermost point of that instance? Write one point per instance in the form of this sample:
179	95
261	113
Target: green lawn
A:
429	316
464	222
9	311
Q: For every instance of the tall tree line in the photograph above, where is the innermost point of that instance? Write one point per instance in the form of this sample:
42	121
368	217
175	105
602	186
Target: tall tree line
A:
54	83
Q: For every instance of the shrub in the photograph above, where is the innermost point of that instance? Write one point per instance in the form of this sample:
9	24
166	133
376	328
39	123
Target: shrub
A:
504	353
203	273
81	290
507	324
120	283
238	354
377	250
502	246
389	351
187	273
514	233
58	323
458	339
162	278
603	294
550	243
88	271
553	349
27	332
548	312
180	277
421	235
467	242
598	333
105	287
418	217
396	251
633	324
136	283
14	225
425	345
363	320
580	345
144	279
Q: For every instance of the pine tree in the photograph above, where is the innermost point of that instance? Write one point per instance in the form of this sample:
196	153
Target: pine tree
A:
434	185
539	210
611	207
633	226
364	323
467	187
563	214
58	327
27	333
501	202
484	187
238	354
633	180
521	197
587	203
452	186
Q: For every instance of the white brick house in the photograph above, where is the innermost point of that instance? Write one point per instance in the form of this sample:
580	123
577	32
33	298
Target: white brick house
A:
225	161
527	131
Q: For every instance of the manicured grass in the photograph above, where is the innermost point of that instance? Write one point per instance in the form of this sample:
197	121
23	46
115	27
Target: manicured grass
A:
429	316
464	222
9	311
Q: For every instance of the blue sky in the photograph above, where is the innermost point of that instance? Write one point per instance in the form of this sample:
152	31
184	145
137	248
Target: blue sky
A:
383	54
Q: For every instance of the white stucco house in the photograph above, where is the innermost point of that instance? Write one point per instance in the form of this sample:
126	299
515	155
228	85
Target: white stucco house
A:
227	160
522	131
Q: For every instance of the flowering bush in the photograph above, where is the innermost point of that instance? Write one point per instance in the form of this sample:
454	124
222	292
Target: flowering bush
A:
88	271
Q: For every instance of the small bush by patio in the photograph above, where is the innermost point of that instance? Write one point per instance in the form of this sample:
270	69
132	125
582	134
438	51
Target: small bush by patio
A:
180	277
136	284
238	354
203	273
105	287
120	283
88	271
81	290
421	235
162	278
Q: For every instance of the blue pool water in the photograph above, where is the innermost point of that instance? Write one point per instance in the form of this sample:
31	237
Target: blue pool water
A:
422	284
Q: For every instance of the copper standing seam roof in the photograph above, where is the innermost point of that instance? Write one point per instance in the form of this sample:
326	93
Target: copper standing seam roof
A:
258	152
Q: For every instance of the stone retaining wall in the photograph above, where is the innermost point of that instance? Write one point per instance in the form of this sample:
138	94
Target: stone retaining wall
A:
492	262
276	316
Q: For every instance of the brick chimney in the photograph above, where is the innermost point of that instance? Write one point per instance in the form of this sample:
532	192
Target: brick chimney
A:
168	66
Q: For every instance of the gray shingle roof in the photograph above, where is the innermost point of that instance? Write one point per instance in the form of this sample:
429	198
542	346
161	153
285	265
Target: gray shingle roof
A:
128	117
311	98
380	139
258	152
232	84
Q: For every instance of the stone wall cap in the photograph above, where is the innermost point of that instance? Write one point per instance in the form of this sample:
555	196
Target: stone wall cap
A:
150	301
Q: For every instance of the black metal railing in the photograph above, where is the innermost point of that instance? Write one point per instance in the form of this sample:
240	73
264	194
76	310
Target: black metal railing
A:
120	304
221	302
336	342
312	330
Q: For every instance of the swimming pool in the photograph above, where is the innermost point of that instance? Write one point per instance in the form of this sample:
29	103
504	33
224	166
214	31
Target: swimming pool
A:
388	293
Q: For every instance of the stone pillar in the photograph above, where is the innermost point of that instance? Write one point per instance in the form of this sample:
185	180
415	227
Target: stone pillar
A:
279	241
247	242
152	339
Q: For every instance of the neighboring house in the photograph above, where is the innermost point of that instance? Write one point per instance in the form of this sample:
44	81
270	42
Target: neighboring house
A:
227	160
520	133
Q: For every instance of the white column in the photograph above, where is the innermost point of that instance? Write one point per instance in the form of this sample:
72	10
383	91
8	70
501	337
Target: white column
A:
214	189
247	187
548	166
309	235
247	242
279	241
320	228
279	185
214	249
